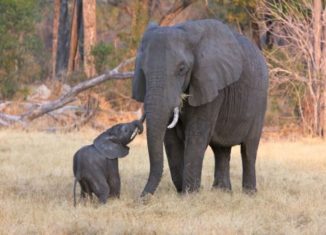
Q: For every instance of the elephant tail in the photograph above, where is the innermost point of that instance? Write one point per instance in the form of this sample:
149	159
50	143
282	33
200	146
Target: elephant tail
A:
75	183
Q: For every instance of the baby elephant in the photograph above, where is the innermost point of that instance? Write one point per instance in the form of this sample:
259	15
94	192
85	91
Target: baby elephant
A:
96	166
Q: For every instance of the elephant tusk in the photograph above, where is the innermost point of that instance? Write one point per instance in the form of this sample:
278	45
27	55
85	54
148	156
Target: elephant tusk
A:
175	118
134	134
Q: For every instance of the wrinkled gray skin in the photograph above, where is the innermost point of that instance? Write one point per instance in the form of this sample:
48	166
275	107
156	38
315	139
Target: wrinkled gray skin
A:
226	80
95	166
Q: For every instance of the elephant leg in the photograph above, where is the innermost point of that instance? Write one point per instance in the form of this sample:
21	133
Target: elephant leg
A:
85	189
222	167
195	146
193	163
199	128
248	154
82	192
114	178
174	148
101	189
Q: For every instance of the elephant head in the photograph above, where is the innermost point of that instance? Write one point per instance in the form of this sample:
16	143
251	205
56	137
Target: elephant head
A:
198	58
113	142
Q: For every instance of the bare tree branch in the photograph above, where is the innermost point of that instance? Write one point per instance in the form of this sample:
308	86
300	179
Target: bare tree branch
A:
6	119
298	67
176	9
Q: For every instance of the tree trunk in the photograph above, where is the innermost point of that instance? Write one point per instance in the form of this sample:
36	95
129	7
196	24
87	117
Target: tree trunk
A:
89	21
317	75
76	18
317	33
56	16
323	72
63	41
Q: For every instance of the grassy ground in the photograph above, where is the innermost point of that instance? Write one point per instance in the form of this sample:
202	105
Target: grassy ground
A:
36	192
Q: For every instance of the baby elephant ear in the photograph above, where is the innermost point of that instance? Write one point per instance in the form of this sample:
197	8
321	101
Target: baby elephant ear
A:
108	148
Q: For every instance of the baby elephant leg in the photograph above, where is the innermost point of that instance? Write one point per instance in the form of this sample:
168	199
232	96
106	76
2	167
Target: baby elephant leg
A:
100	189
114	178
85	189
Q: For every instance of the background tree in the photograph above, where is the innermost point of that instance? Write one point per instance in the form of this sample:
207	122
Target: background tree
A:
56	16
140	18
20	47
88	37
89	23
238	13
69	35
76	31
62	46
176	9
297	68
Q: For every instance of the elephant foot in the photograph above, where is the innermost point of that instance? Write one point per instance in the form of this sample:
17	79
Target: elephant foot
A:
102	196
223	187
190	189
103	199
249	191
178	186
145	199
114	196
179	191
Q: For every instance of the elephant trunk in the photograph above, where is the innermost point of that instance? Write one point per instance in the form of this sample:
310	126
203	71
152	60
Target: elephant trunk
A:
156	119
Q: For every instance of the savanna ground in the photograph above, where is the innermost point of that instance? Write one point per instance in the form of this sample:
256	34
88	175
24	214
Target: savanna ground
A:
36	192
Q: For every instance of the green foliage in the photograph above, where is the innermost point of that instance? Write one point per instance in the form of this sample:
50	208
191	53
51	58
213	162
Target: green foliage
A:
8	86
19	45
140	21
235	12
101	54
297	8
107	56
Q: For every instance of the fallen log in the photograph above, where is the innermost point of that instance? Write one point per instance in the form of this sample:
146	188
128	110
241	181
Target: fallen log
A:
114	74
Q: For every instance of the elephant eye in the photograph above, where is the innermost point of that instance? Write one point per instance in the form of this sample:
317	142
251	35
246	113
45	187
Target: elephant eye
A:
182	69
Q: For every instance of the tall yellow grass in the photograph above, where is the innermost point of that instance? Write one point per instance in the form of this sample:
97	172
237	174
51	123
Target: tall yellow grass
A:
36	192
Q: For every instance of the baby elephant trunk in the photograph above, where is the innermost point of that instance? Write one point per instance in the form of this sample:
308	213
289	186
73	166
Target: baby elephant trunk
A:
139	125
139	128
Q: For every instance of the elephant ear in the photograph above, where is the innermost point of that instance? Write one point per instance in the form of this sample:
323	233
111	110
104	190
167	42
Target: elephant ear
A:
111	150
139	82
218	59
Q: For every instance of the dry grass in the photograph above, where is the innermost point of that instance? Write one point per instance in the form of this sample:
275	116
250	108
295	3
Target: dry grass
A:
36	192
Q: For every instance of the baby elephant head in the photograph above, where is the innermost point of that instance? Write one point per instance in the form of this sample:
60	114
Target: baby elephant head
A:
124	133
113	142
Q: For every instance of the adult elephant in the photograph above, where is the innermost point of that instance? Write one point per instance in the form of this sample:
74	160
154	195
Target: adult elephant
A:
219	79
